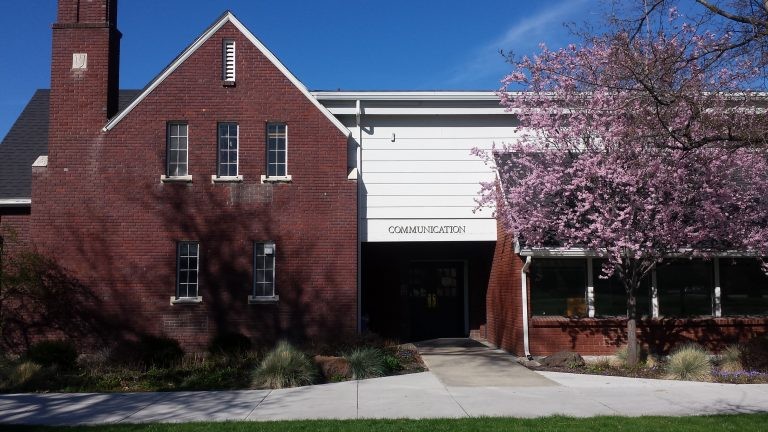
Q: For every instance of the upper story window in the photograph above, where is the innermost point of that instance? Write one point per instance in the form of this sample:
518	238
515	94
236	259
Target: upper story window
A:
228	148
277	151
229	62
178	150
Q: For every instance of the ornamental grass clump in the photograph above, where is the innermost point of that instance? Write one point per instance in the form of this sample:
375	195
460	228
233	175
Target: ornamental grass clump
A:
689	362
366	362
622	356
285	366
730	359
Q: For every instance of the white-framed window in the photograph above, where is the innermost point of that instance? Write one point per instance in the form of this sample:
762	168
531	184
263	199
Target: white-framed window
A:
228	150
263	271
177	154
277	150
228	62
187	270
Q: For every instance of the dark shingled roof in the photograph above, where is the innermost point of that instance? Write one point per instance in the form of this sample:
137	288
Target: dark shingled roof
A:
28	139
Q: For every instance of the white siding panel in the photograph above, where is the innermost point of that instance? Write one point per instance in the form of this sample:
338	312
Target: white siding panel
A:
465	144
421	189
466	166
425	178
418	155
420	201
421	212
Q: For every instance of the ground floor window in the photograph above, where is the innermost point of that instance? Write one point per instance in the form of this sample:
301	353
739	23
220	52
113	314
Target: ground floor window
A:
685	288
572	287
264	269
744	287
187	269
559	287
610	295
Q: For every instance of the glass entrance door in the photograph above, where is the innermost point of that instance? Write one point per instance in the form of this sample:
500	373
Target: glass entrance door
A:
435	299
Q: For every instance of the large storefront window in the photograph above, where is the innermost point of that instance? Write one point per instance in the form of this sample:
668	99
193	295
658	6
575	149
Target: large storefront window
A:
685	288
558	287
744	287
611	297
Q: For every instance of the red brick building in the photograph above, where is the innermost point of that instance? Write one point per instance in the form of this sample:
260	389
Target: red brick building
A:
216	200
225	197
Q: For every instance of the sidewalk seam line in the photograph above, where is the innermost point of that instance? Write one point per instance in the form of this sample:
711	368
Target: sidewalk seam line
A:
155	399
258	404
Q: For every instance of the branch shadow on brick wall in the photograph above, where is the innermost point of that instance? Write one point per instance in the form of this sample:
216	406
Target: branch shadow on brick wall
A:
660	336
38	298
226	220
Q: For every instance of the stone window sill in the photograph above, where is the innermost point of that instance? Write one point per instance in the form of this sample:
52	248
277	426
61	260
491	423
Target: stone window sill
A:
176	179
226	179
276	179
186	300
263	299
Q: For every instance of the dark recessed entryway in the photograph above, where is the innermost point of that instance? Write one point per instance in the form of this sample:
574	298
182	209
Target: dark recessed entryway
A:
416	291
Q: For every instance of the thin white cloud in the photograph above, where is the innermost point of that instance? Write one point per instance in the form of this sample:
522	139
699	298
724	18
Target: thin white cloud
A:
522	37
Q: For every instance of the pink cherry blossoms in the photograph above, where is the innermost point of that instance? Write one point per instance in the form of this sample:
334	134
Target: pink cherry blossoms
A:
635	148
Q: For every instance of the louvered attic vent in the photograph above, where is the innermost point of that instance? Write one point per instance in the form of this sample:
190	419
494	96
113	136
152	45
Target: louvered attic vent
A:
229	62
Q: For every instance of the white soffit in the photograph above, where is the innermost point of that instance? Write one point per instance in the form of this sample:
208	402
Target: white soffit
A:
227	17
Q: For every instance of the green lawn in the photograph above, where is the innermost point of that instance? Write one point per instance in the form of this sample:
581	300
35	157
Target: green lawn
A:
740	423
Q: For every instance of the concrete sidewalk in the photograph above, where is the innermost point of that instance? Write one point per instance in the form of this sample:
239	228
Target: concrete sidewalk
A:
466	379
407	396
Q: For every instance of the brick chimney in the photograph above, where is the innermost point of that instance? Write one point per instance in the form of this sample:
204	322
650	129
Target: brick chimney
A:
84	71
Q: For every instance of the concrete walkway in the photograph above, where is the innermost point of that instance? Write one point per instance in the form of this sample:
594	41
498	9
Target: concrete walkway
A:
469	363
438	393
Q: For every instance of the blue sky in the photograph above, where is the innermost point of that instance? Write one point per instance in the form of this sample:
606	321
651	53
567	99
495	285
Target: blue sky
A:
329	44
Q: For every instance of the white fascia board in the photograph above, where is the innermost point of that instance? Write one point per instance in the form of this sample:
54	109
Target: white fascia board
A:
228	17
406	95
588	253
558	252
15	202
421	111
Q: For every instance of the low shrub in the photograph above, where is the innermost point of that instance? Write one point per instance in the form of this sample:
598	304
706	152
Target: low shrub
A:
23	373
149	351
689	362
754	355
61	353
730	359
284	366
600	364
366	362
392	363
230	343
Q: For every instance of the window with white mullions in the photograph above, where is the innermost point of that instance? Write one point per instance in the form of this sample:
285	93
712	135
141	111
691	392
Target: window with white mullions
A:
178	149
228	147
264	269
187	269
277	150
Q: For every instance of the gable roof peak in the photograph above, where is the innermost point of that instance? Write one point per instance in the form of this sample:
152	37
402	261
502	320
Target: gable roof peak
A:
226	16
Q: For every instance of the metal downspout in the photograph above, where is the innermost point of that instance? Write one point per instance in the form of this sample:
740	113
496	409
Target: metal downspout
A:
524	292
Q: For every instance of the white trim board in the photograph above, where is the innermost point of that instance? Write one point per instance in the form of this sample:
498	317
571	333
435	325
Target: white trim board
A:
227	17
15	202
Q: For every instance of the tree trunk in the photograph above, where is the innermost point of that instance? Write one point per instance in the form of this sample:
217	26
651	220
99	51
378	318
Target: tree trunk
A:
632	354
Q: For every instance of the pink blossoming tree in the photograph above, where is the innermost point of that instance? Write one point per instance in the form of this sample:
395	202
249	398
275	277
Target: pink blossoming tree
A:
604	164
